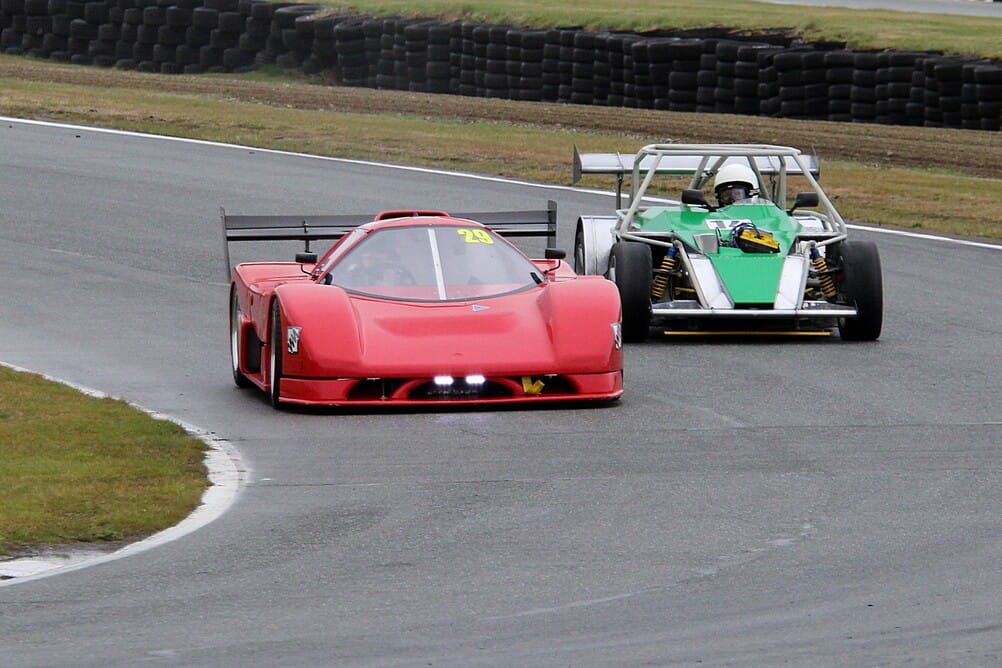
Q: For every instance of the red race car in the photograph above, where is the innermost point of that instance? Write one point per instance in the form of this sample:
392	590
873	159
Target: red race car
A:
420	308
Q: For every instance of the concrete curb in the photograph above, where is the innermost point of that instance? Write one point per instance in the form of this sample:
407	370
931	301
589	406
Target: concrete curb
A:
227	475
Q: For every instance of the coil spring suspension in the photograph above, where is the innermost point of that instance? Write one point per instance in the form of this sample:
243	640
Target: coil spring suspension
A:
661	280
824	276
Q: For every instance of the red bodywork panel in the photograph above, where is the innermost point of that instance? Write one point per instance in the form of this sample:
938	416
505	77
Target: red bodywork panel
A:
555	340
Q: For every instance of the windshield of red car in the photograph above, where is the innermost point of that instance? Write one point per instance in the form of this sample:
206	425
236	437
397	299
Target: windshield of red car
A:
433	263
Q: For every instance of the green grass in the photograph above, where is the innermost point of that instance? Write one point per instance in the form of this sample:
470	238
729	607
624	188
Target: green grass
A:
927	200
861	29
79	469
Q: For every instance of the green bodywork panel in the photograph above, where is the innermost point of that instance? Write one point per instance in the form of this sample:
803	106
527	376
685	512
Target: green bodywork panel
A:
749	278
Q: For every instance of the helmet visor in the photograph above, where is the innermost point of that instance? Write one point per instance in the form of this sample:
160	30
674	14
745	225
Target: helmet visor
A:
732	192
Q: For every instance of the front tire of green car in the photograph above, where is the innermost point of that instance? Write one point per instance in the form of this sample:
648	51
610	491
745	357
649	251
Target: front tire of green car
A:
862	285
630	269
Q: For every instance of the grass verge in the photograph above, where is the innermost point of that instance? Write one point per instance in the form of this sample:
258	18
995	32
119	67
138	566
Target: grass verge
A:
77	469
859	28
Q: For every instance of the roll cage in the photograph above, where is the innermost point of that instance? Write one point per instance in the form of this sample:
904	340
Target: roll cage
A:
771	164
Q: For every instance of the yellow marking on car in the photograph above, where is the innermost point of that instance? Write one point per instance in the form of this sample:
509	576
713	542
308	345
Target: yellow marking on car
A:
475	236
529	386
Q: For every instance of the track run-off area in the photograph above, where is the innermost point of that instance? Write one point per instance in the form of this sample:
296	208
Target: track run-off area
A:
748	502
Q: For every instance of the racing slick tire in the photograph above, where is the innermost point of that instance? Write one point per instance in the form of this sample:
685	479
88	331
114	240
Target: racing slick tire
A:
275	355
862	285
631	270
235	347
580	263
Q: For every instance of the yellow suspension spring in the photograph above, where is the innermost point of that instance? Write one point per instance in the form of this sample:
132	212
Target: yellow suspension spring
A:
661	280
825	278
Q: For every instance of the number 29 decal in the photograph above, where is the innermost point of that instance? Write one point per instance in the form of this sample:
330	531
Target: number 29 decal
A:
475	236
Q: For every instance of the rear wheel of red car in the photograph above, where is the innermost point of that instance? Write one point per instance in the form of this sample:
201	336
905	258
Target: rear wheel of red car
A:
863	286
275	340
630	269
235	342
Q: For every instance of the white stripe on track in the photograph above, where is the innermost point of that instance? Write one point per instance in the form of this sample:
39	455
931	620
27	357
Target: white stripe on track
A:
442	172
227	475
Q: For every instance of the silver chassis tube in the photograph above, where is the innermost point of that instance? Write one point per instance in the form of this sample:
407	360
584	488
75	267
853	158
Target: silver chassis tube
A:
721	151
808	310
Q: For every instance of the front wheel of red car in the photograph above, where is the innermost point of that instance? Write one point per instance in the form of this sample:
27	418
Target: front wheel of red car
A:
235	352
275	340
862	285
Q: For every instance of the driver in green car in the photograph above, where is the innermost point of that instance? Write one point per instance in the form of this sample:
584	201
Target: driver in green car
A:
735	182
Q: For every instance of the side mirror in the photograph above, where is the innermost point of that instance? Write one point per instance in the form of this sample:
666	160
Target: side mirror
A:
306	258
696	198
555	254
804	200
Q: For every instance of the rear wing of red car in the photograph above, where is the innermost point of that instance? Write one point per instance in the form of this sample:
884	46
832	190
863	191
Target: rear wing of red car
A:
530	223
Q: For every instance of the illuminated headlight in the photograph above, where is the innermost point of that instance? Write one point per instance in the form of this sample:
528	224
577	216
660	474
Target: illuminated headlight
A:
475	379
617	335
443	381
292	339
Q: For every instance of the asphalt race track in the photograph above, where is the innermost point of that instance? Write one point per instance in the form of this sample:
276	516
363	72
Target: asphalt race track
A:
798	502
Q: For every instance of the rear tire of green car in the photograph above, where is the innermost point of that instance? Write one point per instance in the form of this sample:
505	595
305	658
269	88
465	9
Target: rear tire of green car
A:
862	286
630	269
580	262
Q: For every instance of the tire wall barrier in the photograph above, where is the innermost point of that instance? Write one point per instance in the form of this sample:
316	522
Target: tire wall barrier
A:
697	71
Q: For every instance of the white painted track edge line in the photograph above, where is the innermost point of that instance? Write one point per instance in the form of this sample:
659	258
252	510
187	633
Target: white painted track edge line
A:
443	172
273	151
926	236
226	471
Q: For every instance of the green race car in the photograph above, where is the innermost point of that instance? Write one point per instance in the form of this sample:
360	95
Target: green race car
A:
756	257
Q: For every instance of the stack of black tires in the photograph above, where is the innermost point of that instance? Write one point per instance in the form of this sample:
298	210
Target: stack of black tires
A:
707	71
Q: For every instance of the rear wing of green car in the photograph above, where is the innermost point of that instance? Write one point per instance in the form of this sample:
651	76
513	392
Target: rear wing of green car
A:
700	161
526	223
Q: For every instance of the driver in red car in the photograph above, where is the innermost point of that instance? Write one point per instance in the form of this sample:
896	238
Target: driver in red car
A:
377	262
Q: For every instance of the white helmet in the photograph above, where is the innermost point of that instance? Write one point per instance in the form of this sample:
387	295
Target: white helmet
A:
732	180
